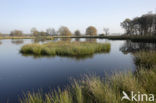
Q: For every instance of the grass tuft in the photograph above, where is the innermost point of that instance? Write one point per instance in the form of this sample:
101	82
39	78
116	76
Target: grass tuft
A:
145	59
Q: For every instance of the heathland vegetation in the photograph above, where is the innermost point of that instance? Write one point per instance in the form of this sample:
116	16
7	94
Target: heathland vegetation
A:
65	48
93	89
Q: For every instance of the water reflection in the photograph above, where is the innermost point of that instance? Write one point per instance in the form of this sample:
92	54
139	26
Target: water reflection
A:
29	74
17	41
0	42
55	39
39	39
90	40
132	47
77	39
66	39
77	58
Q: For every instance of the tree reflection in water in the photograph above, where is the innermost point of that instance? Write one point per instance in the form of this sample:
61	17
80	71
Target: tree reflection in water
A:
66	39
77	39
90	40
17	41
132	47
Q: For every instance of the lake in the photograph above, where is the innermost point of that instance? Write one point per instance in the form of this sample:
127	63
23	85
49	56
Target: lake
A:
19	74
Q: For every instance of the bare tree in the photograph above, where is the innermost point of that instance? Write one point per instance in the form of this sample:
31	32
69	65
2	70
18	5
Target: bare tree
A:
106	31
34	32
51	31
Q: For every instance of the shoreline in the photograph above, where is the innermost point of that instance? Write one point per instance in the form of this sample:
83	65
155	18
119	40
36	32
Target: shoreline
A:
111	37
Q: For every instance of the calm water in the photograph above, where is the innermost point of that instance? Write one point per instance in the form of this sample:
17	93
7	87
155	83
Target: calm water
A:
19	73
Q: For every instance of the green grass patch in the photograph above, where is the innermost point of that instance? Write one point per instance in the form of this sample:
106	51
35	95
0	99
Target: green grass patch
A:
66	48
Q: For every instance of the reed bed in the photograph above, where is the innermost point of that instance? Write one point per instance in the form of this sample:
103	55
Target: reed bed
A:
145	59
95	90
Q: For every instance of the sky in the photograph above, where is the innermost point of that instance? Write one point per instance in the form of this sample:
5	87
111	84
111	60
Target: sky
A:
75	14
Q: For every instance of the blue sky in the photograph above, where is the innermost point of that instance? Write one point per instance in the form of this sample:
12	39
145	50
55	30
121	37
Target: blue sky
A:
75	14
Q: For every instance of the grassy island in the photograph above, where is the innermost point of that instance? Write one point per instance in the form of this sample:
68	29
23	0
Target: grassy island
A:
66	48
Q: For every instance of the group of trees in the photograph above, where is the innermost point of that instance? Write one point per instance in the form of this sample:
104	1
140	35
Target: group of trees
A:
92	31
62	31
16	33
35	32
51	31
144	25
132	47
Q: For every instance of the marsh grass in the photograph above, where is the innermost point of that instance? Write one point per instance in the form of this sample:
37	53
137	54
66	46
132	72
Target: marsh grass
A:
66	48
32	98
93	89
146	59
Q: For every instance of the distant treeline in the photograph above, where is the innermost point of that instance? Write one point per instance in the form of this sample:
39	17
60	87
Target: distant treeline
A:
62	31
144	25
